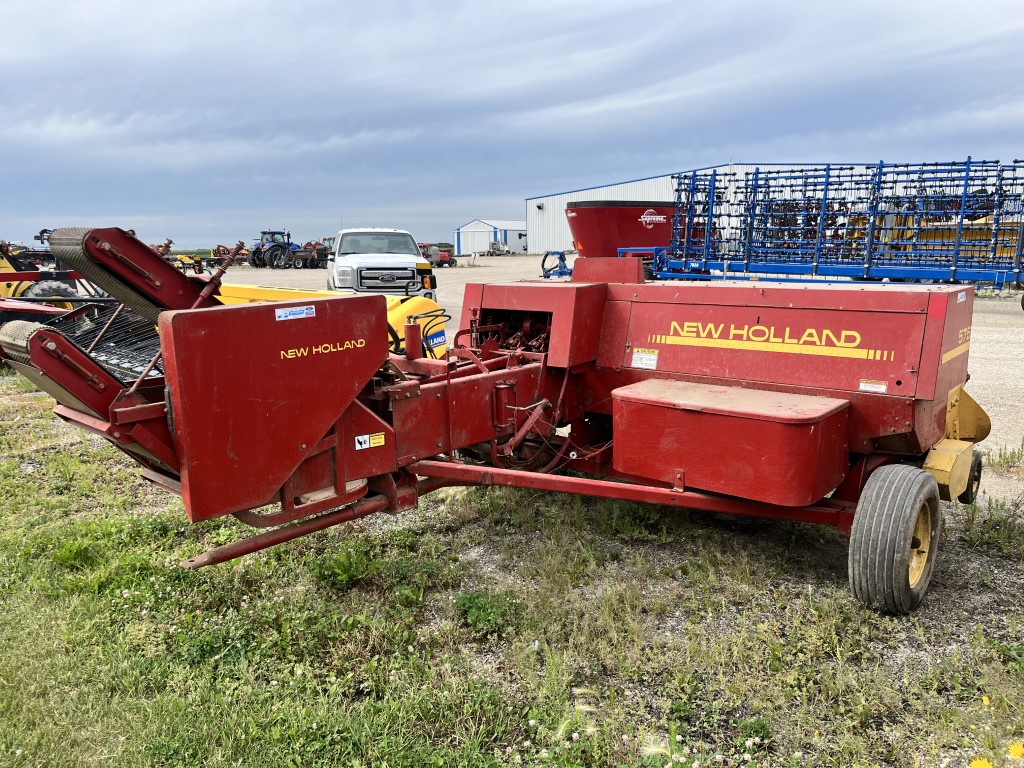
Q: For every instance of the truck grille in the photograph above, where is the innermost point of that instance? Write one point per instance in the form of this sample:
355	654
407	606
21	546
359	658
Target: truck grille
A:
387	280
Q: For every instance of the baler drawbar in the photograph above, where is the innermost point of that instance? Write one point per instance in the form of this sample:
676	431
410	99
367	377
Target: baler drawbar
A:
839	404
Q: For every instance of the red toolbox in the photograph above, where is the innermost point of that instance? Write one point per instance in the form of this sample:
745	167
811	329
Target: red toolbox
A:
720	439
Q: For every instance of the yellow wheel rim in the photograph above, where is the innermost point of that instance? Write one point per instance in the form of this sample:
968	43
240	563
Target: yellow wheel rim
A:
920	544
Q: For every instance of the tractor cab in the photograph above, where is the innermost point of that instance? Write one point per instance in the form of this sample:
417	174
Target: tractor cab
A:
272	237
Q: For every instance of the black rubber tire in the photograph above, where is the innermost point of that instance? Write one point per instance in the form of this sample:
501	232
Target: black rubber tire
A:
50	289
970	493
279	258
14	337
270	256
453	262
883	573
298	263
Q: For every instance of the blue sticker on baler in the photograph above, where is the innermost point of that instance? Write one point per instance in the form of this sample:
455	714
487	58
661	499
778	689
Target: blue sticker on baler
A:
293	313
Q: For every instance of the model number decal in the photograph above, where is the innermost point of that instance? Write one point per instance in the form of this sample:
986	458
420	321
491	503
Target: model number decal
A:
645	358
294	313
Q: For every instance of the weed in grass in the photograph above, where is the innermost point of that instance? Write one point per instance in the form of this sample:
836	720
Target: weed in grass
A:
1005	459
998	528
486	614
345	568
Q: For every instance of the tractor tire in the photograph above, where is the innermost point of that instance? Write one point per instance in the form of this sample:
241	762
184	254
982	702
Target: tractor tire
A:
14	339
278	258
970	494
257	259
52	289
895	539
46	289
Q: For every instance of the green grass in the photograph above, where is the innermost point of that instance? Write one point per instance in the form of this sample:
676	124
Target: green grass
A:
495	628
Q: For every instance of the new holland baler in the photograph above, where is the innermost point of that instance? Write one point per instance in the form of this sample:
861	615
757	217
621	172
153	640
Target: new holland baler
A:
840	404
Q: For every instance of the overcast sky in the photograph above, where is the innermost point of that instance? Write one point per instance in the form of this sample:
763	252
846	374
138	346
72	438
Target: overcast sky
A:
208	120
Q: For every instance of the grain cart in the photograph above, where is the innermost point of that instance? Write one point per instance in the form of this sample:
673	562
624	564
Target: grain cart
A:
835	404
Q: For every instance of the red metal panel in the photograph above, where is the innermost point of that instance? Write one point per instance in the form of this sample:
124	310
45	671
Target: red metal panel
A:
576	312
456	414
943	360
773	447
602	270
830	349
831	296
872	416
254	387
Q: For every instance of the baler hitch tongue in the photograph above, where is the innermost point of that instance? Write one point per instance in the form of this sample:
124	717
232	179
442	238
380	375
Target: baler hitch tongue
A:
271	538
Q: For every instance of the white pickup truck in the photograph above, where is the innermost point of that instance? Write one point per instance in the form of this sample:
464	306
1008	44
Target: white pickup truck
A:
378	260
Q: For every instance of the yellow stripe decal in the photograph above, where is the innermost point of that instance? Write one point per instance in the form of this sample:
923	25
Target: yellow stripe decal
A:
955	352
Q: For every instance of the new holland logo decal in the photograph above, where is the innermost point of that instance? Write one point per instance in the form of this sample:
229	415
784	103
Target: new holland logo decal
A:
769	338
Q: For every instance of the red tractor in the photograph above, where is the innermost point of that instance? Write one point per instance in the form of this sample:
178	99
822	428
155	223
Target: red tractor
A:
437	257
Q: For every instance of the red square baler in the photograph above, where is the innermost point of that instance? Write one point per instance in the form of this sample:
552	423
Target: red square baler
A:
841	404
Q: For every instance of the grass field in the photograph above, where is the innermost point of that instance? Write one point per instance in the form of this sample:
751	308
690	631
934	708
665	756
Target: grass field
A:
490	627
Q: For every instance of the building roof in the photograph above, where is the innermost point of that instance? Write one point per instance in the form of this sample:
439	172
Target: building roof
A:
672	173
498	223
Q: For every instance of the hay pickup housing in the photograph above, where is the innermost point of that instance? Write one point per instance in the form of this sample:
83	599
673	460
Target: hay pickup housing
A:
835	404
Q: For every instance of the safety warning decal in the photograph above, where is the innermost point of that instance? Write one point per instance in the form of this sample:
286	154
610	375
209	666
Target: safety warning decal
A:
645	358
373	440
878	387
293	313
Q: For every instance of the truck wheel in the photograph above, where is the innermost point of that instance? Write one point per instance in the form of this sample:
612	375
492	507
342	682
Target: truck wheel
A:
974	482
895	539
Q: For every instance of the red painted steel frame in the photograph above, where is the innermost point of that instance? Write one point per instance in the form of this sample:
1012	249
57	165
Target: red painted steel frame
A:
839	514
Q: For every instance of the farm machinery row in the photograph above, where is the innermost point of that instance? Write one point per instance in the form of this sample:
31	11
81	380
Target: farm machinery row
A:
276	250
842	405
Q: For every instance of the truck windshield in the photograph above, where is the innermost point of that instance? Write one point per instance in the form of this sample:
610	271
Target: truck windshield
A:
378	242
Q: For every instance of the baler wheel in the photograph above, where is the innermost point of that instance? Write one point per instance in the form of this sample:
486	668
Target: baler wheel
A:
298	263
895	539
974	483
